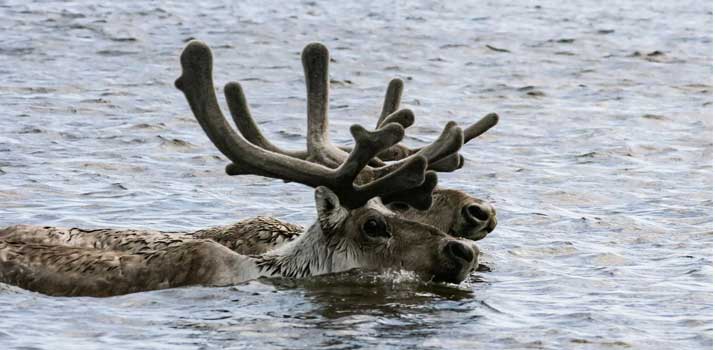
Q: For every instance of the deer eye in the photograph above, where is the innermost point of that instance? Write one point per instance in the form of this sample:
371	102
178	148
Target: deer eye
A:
375	227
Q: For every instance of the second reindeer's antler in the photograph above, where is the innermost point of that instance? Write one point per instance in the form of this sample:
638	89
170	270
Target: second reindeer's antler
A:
406	180
393	96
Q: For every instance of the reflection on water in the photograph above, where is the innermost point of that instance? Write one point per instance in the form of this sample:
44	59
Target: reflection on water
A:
600	169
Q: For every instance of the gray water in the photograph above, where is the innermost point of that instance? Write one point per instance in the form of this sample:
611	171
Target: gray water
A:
600	169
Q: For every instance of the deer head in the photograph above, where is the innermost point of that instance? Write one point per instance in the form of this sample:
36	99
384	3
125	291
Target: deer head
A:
452	211
354	228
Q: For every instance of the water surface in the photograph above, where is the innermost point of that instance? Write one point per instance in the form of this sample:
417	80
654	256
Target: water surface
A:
600	169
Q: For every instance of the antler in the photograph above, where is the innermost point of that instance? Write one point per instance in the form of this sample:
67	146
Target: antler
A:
329	155
320	150
197	85
393	96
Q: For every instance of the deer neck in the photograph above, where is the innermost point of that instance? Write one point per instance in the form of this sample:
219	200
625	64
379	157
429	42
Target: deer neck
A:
313	253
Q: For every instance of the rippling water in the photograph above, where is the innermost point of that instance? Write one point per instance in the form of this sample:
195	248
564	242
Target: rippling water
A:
601	167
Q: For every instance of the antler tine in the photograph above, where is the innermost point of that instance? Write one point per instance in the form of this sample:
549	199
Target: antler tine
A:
393	95
419	198
241	115
368	144
449	142
316	59
404	117
197	85
456	161
480	127
451	162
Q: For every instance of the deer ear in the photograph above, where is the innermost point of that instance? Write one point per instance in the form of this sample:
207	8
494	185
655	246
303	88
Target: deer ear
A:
330	213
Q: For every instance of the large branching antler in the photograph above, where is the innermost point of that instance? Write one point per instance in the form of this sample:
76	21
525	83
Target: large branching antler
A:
409	182
320	150
324	153
315	58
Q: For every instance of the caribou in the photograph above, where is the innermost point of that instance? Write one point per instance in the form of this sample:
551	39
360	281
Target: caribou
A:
378	207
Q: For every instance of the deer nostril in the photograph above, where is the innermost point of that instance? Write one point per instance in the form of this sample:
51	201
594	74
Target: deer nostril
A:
475	212
460	250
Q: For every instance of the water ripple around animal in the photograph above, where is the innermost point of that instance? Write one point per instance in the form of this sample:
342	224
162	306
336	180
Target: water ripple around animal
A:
600	168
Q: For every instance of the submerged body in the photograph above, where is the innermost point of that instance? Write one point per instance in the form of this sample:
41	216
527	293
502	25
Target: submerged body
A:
261	234
72	271
103	262
252	236
106	262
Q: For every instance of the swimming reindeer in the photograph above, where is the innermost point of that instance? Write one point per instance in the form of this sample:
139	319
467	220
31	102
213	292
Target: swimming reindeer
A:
358	200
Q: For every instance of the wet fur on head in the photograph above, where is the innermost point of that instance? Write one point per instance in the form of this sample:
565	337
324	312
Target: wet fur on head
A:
447	213
371	237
